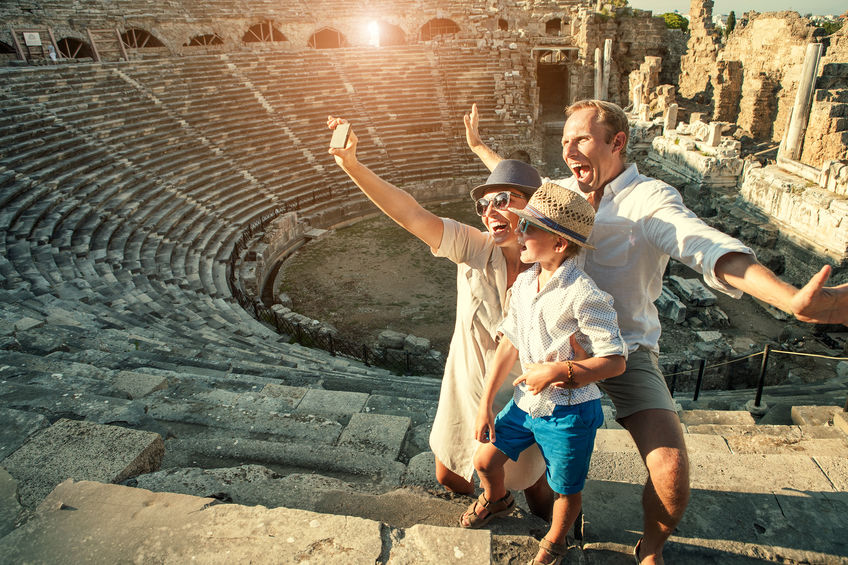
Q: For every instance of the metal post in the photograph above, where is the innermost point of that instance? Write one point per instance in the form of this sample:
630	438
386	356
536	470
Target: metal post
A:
365	354
702	364
332	345
762	380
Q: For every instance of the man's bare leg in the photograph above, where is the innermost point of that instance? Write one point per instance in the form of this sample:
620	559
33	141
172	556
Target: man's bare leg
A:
659	438
540	498
451	481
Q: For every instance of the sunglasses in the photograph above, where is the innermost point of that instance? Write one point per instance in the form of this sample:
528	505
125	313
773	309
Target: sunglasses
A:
499	201
524	224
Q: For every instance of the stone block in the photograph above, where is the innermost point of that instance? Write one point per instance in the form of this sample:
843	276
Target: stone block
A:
814	415
318	401
670	306
289	395
417	345
9	507
81	451
724	417
119	524
137	385
434	544
391	339
692	291
16	426
709	336
376	433
421	472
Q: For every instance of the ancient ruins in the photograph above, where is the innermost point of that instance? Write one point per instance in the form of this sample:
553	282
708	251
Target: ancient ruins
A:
160	160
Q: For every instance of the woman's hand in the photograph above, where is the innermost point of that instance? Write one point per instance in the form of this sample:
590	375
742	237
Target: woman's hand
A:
346	156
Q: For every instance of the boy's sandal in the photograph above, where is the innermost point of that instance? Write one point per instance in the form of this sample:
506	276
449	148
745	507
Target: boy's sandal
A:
495	509
557	550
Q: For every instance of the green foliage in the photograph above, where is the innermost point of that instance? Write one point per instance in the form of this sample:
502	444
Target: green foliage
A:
618	3
831	27
674	20
731	23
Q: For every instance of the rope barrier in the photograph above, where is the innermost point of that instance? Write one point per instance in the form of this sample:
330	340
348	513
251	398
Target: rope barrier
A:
756	355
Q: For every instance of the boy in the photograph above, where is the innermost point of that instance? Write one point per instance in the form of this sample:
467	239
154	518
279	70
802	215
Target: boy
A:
551	301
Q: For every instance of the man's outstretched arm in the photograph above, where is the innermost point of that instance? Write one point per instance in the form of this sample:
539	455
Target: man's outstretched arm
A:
475	142
813	303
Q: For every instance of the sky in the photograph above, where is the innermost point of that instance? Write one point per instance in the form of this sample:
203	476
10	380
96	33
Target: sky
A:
739	7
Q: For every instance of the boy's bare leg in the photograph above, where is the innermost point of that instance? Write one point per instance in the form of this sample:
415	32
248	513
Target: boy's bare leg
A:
658	437
451	481
489	462
540	498
565	511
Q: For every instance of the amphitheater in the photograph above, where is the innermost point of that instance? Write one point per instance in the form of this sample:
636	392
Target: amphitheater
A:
159	161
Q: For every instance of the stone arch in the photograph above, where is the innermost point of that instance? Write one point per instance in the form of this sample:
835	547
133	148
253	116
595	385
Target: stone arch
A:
137	38
391	34
204	40
503	25
73	48
262	32
553	26
438	26
327	38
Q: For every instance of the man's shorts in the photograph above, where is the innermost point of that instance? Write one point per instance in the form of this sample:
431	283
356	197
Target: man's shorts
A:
566	439
640	387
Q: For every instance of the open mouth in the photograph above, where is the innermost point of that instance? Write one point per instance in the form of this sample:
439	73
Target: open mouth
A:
499	227
581	172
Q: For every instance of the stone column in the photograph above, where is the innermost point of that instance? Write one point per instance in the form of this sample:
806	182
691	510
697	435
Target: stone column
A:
607	63
670	121
803	99
714	134
598	73
637	98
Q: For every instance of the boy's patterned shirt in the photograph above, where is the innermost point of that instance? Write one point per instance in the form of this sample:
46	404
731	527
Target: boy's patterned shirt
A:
539	325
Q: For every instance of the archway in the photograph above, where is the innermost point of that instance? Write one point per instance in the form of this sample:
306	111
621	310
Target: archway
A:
136	38
261	32
327	38
503	25
438	26
553	27
204	40
73	48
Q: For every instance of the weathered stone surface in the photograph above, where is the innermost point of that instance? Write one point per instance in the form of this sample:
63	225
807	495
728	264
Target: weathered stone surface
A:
376	433
814	415
692	291
421	471
137	385
432	544
81	451
16	426
116	524
670	306
391	339
317	401
9	507
836	469
291	395
726	417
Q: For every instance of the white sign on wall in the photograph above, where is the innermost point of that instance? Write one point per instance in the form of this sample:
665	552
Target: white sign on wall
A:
32	39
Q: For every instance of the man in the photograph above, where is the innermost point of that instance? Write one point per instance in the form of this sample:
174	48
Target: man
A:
640	223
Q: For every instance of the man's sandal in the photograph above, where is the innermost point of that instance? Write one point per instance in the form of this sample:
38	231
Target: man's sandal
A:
495	509
636	552
557	550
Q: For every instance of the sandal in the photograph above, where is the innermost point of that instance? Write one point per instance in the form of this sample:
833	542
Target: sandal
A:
498	508
557	550
636	551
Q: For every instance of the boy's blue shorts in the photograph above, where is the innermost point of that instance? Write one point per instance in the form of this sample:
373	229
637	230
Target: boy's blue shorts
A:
566	439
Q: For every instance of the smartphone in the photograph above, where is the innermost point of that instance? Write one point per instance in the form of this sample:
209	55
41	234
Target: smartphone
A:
340	135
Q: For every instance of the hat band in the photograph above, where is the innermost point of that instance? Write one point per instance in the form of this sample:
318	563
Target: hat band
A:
553	225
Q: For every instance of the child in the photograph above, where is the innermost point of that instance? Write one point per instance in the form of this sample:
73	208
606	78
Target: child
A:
551	301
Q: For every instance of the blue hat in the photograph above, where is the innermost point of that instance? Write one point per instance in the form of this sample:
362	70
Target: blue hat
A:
510	173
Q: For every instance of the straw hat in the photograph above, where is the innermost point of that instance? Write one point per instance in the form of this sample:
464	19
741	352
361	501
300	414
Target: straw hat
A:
510	173
561	211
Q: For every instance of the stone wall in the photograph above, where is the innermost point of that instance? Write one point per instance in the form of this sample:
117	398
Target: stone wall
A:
726	81
702	50
770	48
826	137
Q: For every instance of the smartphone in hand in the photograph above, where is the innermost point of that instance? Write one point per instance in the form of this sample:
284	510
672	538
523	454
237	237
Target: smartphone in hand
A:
340	135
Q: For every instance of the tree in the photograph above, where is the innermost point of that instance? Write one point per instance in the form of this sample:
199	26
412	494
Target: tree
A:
731	23
831	27
673	20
